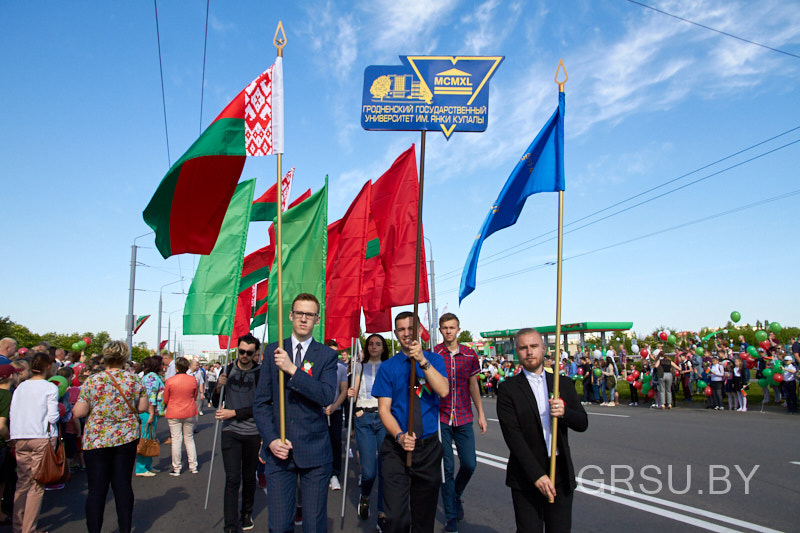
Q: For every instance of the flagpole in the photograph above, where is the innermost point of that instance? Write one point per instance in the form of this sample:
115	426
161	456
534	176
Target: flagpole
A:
556	370
412	377
216	425
279	43
356	344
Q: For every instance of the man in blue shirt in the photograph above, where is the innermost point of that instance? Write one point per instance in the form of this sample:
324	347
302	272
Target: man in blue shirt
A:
414	488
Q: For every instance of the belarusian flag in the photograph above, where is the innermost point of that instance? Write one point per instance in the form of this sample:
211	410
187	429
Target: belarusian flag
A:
261	305
266	206
188	207
256	266
139	322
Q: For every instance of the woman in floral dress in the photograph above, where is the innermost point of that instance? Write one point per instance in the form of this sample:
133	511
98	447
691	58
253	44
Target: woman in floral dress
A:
154	385
112	399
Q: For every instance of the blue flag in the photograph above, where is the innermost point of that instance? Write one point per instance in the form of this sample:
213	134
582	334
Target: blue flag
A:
540	169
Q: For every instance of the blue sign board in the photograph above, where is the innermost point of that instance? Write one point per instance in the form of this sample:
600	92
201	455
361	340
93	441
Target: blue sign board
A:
447	93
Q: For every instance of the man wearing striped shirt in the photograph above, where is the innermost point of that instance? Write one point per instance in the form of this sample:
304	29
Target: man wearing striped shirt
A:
455	417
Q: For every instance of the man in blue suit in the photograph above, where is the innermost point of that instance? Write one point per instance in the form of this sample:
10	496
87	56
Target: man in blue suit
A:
310	385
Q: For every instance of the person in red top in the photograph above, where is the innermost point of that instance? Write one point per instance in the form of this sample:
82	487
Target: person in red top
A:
180	393
455	417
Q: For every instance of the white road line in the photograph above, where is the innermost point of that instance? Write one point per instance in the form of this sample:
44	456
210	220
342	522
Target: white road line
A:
492	420
794	462
608	414
609	493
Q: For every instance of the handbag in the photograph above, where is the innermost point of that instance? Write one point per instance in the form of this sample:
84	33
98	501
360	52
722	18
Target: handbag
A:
53	468
148	446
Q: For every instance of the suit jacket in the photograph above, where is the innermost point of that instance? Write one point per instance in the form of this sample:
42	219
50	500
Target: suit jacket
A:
307	395
518	413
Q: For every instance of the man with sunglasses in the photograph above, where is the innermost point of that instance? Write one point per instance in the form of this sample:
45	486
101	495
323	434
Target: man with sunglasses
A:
309	369
240	438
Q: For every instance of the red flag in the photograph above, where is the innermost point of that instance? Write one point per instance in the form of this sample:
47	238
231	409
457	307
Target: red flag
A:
345	269
424	335
255	267
266	206
163	343
376	320
394	207
241	323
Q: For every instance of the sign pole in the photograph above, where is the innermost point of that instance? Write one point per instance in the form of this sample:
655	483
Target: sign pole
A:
412	377
556	370
279	43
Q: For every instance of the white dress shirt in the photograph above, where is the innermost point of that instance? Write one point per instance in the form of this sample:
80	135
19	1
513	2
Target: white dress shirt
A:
538	385
305	344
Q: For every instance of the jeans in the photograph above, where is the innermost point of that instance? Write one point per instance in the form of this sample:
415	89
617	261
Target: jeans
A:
369	437
600	390
239	457
110	466
143	464
453	487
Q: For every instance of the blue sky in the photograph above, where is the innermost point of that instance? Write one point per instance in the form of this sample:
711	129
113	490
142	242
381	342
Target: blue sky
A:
649	99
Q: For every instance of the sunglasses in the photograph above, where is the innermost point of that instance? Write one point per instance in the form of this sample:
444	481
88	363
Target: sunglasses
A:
246	352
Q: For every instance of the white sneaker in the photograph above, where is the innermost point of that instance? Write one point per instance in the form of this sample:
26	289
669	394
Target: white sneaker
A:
146	473
743	409
334	484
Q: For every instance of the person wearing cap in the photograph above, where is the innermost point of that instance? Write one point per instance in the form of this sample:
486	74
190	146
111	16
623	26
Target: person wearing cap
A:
789	385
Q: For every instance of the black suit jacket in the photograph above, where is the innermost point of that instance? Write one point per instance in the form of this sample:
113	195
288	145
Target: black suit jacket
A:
518	413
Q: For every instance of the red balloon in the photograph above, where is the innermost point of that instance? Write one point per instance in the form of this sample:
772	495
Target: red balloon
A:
23	351
764	344
651	393
750	364
644	352
707	391
630	378
663	335
637	384
580	371
87	340
635	374
777	378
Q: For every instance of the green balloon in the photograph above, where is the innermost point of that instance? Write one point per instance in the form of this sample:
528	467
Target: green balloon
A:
777	367
501	373
763	382
62	384
775	327
701	384
76	347
700	351
761	336
580	378
645	388
646	378
598	372
672	339
82	344
482	377
736	316
752	351
767	373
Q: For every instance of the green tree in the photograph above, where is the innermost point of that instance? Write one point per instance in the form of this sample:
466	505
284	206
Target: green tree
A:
465	336
140	351
5	327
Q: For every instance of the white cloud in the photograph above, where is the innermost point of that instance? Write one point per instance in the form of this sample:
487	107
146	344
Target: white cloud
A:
218	25
407	25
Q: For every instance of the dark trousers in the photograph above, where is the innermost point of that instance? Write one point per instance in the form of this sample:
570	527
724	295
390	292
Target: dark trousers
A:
415	488
687	387
335	433
110	466
790	393
240	458
716	393
281	496
634	393
534	514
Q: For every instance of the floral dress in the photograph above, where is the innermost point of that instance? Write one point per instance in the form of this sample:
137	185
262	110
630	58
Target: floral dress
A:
155	392
111	422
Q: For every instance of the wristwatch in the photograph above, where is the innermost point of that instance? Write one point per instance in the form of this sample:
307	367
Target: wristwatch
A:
426	365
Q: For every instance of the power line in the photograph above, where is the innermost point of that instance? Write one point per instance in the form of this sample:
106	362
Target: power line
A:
163	98
726	34
646	236
487	260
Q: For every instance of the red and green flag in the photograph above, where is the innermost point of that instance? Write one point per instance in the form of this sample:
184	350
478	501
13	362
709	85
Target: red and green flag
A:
210	306
266	206
140	322
189	205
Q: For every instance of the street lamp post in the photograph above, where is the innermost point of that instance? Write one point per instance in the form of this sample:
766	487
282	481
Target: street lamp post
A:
160	295
130	320
434	312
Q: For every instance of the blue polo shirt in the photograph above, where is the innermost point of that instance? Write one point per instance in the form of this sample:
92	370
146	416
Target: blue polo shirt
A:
392	382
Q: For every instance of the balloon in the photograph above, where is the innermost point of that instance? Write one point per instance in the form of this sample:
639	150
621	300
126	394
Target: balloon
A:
502	380
645	388
82	344
707	391
635	348
701	384
76	347
725	331
630	378
23	351
62	384
87	340
598	372
580	377
663	335
763	382
736	316
580	371
761	335
764	344
638	384
597	353
635	374
775	327
700	351
777	378
651	394
644	352
767	373
480	376
750	364
646	378
752	351
575	377
672	339
501	373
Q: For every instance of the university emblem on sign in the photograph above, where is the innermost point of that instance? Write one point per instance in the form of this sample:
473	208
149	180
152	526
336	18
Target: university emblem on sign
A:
447	93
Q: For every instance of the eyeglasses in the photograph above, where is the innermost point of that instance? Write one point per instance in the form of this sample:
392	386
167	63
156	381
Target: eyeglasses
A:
246	352
301	314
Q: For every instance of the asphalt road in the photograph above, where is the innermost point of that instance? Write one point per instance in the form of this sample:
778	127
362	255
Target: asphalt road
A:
686	469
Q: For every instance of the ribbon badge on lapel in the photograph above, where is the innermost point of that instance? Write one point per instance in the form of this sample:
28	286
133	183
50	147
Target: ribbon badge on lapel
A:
421	387
307	367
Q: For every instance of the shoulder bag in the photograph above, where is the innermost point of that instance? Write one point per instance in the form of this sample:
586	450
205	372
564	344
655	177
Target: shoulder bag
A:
147	447
53	468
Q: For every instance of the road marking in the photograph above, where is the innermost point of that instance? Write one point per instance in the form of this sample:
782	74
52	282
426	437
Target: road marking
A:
492	420
794	462
609	492
608	414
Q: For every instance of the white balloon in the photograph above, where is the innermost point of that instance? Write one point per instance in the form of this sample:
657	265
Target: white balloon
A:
598	353
635	348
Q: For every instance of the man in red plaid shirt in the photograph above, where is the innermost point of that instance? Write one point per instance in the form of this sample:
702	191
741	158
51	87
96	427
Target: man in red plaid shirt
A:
455	417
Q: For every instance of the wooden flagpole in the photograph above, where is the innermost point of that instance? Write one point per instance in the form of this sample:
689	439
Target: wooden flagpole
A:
280	42
216	424
412	377
556	368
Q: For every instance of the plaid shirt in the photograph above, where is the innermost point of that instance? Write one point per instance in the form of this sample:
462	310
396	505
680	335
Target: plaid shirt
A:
456	407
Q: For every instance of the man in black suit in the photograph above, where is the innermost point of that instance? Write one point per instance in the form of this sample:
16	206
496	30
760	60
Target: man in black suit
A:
525	412
310	385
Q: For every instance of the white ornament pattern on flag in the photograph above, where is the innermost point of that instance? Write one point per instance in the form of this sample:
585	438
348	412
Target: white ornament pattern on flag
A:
286	188
258	115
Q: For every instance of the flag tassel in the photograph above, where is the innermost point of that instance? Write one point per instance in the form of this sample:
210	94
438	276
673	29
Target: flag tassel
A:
556	369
